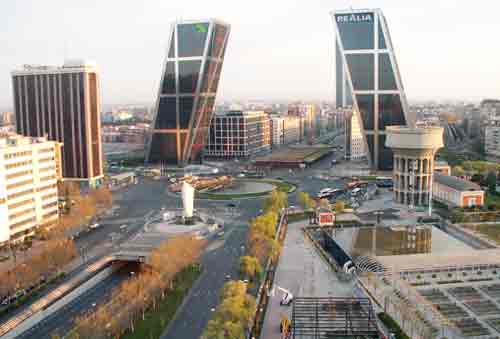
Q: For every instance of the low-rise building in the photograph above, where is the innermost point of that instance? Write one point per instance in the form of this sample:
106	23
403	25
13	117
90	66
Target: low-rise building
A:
238	134
442	167
456	192
29	170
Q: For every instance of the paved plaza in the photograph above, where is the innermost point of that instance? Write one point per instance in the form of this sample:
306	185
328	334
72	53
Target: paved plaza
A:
303	272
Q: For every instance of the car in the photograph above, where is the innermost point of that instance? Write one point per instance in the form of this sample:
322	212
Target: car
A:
93	226
122	227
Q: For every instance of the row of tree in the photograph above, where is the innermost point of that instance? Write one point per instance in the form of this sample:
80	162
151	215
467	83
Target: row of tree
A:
237	308
54	255
309	203
80	209
233	316
130	301
261	240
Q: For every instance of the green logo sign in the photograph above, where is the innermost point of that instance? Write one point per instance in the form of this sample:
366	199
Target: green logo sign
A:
201	28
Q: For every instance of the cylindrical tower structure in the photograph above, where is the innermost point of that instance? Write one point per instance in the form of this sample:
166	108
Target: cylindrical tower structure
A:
414	150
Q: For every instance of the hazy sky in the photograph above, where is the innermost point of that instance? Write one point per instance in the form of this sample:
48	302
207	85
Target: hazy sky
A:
278	49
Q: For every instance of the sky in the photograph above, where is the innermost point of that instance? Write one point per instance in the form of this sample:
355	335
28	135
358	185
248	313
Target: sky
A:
277	50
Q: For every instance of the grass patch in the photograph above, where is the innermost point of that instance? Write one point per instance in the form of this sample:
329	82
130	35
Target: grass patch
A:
491	231
492	199
300	216
282	186
368	177
317	155
221	196
157	320
392	326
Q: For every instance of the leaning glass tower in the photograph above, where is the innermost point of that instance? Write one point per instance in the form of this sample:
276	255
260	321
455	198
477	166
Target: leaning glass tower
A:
367	77
188	87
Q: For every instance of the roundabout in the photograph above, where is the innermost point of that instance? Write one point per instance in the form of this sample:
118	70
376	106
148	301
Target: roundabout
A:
246	189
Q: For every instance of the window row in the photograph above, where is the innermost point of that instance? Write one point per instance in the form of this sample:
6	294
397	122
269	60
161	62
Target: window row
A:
17	154
18	174
390	110
362	71
21	203
22	223
21	213
18	164
20	184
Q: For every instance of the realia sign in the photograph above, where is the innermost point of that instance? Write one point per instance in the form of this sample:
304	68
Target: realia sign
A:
354	18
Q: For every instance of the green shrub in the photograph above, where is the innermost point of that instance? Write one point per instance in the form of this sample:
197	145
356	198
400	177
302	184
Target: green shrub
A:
392	325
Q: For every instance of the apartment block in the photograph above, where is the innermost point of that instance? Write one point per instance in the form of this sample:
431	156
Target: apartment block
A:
29	170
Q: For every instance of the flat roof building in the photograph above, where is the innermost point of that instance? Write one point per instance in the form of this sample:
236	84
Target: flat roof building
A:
368	79
238	134
64	104
457	192
28	185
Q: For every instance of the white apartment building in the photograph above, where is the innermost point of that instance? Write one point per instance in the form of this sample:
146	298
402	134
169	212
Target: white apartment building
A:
354	143
286	130
29	170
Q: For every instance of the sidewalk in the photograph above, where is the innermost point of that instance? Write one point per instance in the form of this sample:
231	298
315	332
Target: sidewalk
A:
303	272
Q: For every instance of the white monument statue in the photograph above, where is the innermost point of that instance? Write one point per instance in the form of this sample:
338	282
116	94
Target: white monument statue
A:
188	199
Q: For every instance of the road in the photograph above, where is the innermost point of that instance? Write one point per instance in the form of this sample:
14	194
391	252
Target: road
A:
62	321
221	264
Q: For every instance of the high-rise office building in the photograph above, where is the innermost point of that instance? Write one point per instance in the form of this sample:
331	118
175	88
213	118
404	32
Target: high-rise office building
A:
368	79
64	104
188	87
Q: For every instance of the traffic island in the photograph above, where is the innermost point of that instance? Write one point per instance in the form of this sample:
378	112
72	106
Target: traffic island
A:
247	189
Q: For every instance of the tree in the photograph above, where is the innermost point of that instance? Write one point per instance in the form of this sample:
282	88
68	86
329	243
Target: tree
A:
325	204
339	206
305	200
234	314
250	267
275	201
491	180
458	171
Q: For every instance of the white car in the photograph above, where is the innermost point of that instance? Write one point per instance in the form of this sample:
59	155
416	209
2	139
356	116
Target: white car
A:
124	226
94	225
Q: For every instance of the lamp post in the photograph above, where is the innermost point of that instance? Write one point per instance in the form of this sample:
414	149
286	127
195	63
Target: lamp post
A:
374	238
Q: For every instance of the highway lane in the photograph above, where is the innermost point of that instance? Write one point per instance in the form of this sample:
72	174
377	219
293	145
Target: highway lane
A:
62	321
219	265
134	203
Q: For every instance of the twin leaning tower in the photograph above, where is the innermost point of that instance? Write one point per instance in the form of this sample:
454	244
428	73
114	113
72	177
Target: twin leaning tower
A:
367	80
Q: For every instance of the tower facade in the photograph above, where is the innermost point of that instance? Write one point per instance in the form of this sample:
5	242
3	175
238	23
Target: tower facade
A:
187	92
64	104
414	150
368	79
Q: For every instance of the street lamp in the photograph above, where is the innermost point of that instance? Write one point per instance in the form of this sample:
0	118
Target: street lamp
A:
374	238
